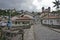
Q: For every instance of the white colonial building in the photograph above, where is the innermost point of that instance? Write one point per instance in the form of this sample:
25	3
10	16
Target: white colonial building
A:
22	21
50	18
51	21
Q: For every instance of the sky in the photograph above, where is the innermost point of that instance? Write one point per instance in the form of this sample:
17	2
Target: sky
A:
30	5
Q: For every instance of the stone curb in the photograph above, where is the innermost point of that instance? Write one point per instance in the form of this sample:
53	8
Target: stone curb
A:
56	30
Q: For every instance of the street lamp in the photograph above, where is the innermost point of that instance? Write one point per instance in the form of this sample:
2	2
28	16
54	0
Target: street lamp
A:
9	24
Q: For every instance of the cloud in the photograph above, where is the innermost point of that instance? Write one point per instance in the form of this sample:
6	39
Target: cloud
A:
29	5
43	3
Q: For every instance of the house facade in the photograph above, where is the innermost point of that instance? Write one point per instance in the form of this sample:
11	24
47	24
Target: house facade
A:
49	18
51	21
24	21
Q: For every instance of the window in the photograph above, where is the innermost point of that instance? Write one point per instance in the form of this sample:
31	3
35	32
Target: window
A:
57	20
8	34
16	22
51	21
44	21
25	22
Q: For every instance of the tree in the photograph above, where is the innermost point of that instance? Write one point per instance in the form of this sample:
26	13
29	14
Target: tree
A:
2	12
56	4
38	13
22	11
8	12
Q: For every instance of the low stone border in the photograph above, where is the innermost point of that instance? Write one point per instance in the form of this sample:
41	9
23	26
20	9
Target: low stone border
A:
56	30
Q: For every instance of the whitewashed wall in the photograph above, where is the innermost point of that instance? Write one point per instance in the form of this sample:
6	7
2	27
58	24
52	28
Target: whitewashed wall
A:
51	21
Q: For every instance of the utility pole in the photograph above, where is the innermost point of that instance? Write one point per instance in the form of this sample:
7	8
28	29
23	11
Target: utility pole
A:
9	24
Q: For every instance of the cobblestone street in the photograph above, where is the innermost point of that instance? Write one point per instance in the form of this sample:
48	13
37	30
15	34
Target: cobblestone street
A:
44	33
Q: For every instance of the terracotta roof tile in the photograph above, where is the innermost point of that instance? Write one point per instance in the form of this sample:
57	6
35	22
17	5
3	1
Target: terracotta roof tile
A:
51	17
22	18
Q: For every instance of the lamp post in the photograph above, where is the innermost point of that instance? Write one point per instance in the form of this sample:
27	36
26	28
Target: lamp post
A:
9	20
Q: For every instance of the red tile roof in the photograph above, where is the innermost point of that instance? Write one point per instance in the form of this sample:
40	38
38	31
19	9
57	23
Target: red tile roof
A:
52	17
22	18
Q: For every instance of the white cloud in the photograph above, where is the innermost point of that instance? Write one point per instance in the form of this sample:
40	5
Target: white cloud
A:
43	3
36	3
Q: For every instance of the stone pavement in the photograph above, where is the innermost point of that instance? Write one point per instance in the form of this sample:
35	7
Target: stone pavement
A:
54	29
29	34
